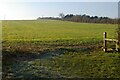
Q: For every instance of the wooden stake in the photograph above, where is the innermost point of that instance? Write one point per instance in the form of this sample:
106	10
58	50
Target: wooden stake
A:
117	43
104	41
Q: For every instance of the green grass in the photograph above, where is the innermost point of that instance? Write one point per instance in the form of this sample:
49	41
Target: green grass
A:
96	64
53	48
54	30
80	65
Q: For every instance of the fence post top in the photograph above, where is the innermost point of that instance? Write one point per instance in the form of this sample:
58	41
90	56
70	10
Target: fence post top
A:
105	33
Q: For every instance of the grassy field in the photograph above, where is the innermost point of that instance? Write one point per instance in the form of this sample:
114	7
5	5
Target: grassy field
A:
54	30
53	48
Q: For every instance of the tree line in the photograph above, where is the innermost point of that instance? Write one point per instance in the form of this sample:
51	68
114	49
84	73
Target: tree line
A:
83	18
87	19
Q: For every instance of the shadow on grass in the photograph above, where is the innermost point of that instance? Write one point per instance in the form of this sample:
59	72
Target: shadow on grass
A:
16	63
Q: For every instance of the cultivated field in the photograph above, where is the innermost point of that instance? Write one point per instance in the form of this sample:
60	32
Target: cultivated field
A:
53	48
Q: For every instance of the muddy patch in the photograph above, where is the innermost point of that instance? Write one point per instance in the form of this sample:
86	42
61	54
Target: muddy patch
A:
49	55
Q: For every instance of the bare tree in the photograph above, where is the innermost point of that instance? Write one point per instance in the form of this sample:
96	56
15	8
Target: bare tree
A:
61	15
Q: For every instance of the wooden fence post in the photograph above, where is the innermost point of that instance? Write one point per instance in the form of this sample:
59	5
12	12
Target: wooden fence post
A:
104	41
117	43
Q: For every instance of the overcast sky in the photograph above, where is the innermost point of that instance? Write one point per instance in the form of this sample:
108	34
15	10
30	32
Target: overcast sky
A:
31	9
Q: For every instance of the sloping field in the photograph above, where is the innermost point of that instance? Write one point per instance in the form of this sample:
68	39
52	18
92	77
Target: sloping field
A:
54	30
57	49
